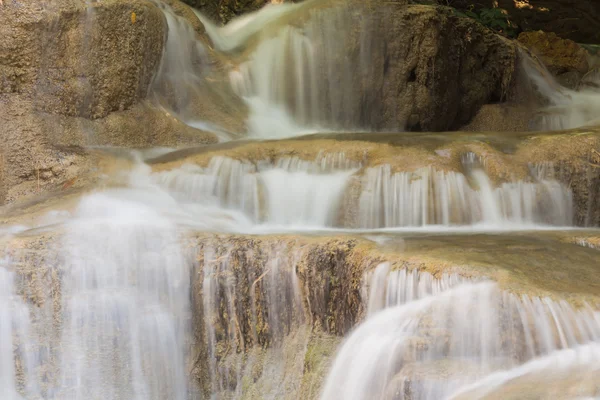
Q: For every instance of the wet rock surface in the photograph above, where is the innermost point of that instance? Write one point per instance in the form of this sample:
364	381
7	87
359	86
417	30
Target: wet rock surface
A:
268	312
415	263
74	75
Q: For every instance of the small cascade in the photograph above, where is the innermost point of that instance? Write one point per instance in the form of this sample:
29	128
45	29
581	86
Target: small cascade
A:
183	65
552	375
306	67
385	288
225	183
567	108
306	193
436	337
17	355
431	197
188	86
251	300
290	191
125	304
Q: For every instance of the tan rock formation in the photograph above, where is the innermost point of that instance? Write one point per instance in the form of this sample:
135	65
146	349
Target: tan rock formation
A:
285	301
72	75
571	157
560	55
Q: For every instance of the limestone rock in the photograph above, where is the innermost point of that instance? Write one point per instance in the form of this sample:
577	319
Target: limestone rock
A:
73	74
80	60
439	69
560	55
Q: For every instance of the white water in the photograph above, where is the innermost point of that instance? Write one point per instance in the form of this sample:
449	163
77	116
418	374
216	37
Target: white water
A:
298	72
289	192
269	292
125	304
293	192
568	108
123	311
430	197
554	373
435	336
241	29
183	65
16	347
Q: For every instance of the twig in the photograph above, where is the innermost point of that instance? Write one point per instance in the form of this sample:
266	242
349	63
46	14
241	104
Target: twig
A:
259	278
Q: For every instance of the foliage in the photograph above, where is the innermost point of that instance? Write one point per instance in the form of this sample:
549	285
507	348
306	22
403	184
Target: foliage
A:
493	18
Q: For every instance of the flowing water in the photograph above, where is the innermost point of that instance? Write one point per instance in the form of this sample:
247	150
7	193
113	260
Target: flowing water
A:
213	278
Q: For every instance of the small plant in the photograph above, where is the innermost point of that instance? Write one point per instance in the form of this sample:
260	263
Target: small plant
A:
493	18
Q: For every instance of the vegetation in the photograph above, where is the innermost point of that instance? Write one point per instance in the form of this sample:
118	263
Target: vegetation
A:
495	19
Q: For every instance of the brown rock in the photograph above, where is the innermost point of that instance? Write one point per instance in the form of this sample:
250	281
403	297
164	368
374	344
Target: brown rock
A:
393	66
559	55
438	69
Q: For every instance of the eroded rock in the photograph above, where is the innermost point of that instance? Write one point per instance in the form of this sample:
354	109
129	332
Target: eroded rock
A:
561	56
74	74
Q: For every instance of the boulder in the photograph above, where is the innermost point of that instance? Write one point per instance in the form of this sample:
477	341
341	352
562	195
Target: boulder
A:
561	56
439	69
386	66
73	74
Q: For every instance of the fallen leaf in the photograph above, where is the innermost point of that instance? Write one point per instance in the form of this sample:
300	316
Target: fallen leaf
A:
68	183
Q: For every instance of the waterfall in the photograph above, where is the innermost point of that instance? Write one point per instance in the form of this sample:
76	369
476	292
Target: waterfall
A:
567	108
303	76
288	192
17	356
305	193
183	65
430	197
293	192
187	84
257	270
270	293
125	304
431	339
553	372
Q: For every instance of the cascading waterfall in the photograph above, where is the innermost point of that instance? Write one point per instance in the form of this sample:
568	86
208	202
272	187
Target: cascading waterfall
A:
270	293
125	304
433	339
553	373
568	108
17	355
384	288
142	292
314	194
182	66
183	84
315	190
301	76
315	187
430	197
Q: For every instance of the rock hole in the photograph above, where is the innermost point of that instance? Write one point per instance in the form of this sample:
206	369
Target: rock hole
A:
412	77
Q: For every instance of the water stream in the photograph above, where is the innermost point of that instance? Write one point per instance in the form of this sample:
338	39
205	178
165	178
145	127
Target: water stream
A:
236	275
